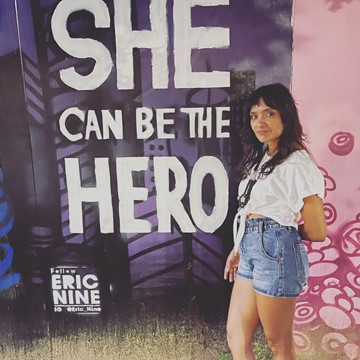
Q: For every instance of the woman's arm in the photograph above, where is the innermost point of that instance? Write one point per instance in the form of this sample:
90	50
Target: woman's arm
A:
314	226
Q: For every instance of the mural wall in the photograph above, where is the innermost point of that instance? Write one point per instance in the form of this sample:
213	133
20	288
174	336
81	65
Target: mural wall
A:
324	82
119	145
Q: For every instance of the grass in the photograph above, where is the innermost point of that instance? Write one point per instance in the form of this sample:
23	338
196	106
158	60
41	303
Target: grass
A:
147	329
144	337
166	327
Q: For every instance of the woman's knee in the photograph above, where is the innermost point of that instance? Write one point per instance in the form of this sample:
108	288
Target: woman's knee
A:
236	336
274	345
230	333
280	344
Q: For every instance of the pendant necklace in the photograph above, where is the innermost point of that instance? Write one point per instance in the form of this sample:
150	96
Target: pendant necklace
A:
245	197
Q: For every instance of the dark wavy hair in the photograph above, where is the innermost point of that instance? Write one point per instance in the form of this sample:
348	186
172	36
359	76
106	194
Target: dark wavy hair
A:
277	97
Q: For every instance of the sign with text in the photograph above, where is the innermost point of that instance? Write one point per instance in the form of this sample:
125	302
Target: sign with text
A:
75	289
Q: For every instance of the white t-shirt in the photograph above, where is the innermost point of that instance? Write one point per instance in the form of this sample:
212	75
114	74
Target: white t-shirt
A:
280	195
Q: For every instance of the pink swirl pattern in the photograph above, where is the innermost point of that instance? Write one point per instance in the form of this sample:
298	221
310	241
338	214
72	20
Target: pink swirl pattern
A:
330	213
330	184
333	343
302	341
328	309
336	5
305	313
350	233
341	143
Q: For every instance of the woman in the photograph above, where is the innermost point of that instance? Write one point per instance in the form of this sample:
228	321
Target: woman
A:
269	261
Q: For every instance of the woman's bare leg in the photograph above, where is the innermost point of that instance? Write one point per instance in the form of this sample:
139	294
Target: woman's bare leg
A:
277	316
242	320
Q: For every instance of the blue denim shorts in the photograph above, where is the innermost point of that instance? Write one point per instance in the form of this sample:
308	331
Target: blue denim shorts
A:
273	257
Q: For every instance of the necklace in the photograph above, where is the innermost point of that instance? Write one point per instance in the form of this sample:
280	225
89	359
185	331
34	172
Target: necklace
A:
245	197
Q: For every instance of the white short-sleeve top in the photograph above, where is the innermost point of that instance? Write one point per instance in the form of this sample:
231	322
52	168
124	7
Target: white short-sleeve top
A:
280	194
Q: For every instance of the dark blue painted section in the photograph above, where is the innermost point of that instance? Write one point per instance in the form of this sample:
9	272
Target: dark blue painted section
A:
7	279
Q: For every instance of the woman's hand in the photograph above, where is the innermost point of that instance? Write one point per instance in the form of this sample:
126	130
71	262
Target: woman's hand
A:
231	265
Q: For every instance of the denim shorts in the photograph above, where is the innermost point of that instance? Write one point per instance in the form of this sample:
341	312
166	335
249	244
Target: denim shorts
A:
273	257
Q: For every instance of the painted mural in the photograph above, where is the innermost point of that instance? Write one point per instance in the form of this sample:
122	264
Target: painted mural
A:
119	124
328	312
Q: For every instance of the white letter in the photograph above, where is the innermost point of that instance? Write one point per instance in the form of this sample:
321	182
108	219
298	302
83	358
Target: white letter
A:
101	193
68	281
213	166
60	297
169	202
56	281
116	125
127	39
196	115
128	194
220	122
94	281
92	125
62	123
95	297
187	38
161	122
144	127
82	48
205	123
82	297
193	112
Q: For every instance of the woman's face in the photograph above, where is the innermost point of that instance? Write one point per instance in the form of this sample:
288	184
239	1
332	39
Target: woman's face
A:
266	124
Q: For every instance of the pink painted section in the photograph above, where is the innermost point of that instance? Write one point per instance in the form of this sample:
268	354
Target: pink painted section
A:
326	85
